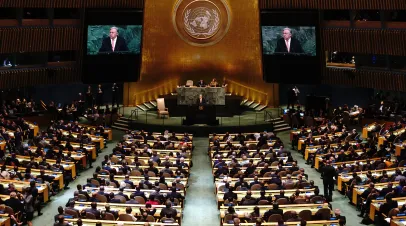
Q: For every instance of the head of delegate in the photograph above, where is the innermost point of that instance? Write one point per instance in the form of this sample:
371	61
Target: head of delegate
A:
114	43
288	44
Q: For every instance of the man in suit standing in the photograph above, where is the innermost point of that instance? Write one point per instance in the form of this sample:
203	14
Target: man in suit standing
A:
201	101
113	43
114	93
99	97
328	180
288	44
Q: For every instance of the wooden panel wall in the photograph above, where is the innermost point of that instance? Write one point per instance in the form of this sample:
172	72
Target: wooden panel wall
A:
139	4
384	80
334	4
37	76
39	39
376	41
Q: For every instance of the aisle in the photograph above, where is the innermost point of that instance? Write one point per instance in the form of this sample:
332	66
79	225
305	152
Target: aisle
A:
200	205
339	201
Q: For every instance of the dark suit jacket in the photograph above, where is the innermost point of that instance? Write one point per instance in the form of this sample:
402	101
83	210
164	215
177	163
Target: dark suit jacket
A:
202	103
328	173
295	46
269	213
121	45
342	220
200	83
386	207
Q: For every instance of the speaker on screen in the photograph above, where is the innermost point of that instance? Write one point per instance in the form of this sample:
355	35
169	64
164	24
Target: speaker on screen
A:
291	47
113	45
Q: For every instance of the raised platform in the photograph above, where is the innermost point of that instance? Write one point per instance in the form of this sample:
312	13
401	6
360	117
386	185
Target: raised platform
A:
248	121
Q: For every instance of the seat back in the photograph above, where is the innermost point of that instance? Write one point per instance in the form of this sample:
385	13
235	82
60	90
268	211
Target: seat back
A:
150	218
109	217
125	217
275	218
160	103
305	215
101	198
90	216
287	215
82	197
135	173
139	199
71	213
282	201
323	214
263	202
121	198
256	187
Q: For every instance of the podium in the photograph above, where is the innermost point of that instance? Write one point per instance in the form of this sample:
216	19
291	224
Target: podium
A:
203	114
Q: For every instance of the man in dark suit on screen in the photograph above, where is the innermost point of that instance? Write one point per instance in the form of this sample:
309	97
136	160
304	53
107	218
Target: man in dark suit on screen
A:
113	43
288	44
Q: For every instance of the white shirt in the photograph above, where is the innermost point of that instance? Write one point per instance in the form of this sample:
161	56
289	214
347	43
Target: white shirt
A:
296	90
113	43
287	42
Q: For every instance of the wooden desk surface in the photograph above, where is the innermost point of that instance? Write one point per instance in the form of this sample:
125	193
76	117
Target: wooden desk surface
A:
219	182
58	175
66	165
255	160
242	210
342	178
20	185
308	223
173	168
146	159
137	179
93	138
257	169
359	189
107	131
120	208
176	144
89	222
129	191
398	221
376	204
5	220
76	146
256	193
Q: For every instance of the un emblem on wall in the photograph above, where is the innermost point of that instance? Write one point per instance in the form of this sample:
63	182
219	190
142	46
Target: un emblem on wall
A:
201	22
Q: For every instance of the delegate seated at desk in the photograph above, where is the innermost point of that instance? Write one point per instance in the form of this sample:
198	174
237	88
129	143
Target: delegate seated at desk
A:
201	83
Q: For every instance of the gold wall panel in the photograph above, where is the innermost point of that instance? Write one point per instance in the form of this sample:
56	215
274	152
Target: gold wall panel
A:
236	57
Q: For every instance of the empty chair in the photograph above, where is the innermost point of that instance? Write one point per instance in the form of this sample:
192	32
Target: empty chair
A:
162	110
